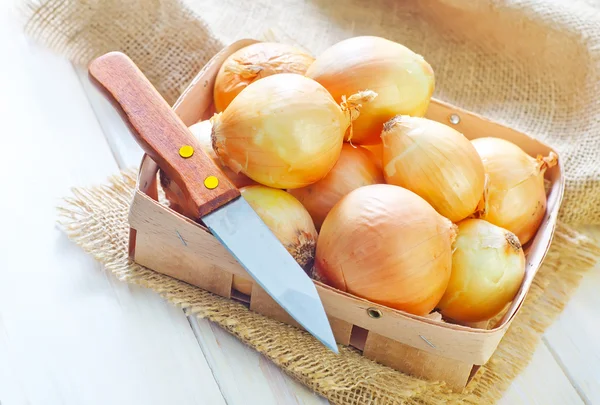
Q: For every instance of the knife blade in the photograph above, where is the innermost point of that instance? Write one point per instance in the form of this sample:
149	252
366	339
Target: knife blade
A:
210	196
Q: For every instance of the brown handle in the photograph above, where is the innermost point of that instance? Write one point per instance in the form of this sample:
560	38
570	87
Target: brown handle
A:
161	133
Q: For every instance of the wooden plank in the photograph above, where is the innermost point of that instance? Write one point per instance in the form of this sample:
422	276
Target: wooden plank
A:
123	146
243	374
69	332
541	383
246	376
574	339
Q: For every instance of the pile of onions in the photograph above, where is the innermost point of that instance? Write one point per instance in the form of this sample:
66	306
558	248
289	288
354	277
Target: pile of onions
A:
254	62
515	197
447	229
436	162
284	131
289	221
488	266
355	168
388	245
403	80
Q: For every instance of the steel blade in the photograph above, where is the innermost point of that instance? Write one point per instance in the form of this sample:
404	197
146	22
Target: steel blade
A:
237	226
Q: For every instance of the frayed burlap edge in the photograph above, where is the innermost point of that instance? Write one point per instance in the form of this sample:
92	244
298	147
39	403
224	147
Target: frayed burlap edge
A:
95	218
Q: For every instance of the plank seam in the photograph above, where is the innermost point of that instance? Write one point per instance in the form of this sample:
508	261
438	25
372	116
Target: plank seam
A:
566	372
208	361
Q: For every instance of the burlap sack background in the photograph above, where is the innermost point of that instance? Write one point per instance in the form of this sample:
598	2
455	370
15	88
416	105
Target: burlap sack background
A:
533	65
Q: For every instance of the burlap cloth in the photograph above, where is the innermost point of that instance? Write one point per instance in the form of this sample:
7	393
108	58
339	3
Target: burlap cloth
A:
531	64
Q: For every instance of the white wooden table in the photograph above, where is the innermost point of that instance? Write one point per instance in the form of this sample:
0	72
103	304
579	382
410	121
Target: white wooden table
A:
72	334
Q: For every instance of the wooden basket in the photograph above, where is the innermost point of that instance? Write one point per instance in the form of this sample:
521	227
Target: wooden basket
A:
167	242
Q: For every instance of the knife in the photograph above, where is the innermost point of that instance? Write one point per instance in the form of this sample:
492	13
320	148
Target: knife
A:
210	196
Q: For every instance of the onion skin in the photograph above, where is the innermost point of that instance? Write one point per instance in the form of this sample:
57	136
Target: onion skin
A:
403	80
436	162
387	245
488	266
283	131
377	153
242	285
289	221
254	62
202	131
515	197
355	168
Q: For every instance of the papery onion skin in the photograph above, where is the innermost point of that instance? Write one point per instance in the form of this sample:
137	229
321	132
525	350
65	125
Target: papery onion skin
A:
436	162
242	285
202	130
355	168
488	266
377	153
388	245
289	221
515	197
403	80
254	62
283	131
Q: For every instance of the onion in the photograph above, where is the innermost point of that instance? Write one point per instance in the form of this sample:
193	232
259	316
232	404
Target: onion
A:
515	197
388	245
242	285
284	131
436	162
377	153
254	62
403	80
289	221
202	131
355	168
488	266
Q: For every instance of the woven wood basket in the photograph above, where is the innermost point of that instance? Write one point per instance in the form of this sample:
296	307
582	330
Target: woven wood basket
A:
427	347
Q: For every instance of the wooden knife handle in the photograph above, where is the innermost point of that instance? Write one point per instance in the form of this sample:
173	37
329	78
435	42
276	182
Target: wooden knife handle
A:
161	133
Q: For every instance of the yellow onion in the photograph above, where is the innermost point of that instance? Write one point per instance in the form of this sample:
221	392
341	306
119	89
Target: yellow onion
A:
515	196
254	62
289	221
488	266
436	162
284	131
202	131
355	168
388	245
403	80
377	153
